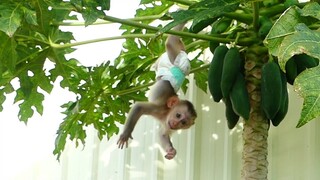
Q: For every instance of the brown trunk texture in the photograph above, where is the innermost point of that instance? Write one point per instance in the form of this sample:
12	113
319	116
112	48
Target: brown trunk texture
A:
255	132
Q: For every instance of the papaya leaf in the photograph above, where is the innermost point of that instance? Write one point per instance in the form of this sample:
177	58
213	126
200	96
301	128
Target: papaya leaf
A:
71	71
60	143
10	18
201	11
8	52
105	4
302	41
283	27
200	77
90	16
35	99
179	17
2	98
307	84
212	9
30	16
311	9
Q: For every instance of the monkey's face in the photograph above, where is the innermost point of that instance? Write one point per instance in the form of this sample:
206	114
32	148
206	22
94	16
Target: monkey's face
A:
179	118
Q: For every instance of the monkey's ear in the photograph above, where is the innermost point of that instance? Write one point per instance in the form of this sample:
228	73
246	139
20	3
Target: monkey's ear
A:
172	101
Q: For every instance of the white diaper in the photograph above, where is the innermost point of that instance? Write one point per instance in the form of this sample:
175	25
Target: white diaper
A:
174	73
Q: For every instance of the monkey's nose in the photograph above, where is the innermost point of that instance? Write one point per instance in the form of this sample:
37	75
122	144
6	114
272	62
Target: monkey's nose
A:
174	124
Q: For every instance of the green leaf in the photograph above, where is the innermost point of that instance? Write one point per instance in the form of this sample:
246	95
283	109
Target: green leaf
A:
8	54
10	18
200	76
311	9
302	41
71	71
105	4
283	27
60	143
90	16
179	17
307	84
2	98
212	9
201	11
35	100
30	16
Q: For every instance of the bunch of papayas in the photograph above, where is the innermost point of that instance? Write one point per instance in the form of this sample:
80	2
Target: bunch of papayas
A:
226	82
274	94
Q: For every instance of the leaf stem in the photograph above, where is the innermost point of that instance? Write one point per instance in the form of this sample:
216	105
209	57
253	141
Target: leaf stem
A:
143	18
244	41
255	16
245	18
183	2
125	36
194	70
272	11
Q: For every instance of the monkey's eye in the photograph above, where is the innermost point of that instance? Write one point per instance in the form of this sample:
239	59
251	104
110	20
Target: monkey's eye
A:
183	122
178	115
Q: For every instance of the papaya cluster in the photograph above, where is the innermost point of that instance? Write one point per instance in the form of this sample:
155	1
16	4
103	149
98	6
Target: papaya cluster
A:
274	93
226	82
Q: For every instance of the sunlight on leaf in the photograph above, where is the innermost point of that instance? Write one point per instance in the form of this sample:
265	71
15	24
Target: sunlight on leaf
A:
303	41
10	19
283	27
307	85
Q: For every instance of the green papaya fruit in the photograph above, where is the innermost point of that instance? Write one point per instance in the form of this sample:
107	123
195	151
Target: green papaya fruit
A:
305	61
199	26
213	45
230	71
221	25
240	98
215	72
232	117
284	102
291	70
271	89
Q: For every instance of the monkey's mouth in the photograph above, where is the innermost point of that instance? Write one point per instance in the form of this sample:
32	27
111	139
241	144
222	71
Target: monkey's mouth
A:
170	126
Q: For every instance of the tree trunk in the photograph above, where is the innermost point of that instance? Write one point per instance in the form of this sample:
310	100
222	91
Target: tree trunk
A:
255	132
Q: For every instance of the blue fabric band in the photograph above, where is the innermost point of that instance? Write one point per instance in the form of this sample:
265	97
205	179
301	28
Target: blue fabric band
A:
178	75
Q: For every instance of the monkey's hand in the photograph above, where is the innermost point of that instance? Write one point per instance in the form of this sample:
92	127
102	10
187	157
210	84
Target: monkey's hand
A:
123	140
171	153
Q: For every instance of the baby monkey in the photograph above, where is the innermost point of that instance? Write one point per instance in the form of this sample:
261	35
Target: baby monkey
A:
164	103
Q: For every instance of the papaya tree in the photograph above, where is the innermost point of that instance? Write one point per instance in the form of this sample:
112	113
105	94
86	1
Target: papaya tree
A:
266	45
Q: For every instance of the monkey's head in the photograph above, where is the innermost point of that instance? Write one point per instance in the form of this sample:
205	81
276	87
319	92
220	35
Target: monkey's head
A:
182	115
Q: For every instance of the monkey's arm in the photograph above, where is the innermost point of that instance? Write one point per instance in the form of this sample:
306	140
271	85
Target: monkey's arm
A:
174	44
167	145
134	115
